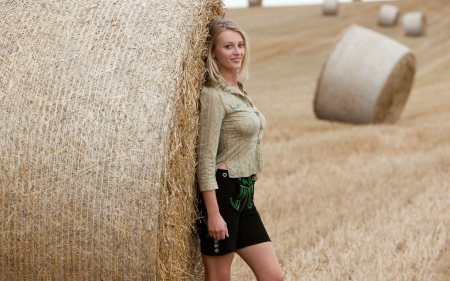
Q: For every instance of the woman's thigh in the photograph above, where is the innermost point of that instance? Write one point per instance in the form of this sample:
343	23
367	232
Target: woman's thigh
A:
218	267
263	261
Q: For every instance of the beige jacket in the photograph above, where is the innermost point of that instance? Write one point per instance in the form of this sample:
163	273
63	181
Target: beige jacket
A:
230	132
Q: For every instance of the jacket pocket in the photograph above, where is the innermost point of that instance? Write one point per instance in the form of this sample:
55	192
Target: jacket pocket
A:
236	105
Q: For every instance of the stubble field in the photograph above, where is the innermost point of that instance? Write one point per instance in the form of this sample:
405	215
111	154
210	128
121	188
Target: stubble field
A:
345	202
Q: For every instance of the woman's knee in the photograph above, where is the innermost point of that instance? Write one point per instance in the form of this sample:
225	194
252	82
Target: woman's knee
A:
218	268
218	275
277	275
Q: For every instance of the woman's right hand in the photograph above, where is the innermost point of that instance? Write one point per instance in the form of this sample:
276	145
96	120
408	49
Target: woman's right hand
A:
217	227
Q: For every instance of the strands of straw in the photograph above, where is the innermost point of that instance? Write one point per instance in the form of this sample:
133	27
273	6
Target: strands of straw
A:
179	256
97	108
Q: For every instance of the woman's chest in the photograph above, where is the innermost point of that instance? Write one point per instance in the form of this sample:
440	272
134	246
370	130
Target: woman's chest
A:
241	118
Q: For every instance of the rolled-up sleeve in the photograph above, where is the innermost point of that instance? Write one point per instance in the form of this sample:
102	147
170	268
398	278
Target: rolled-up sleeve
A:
212	113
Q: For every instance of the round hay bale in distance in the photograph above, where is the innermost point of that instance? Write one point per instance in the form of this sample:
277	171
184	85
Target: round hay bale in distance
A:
366	79
253	3
330	7
414	24
97	137
388	15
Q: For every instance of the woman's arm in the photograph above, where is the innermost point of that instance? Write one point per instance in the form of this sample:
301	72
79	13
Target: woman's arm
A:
217	227
210	120
211	116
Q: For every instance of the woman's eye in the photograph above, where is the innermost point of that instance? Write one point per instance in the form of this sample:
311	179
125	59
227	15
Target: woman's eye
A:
241	45
228	46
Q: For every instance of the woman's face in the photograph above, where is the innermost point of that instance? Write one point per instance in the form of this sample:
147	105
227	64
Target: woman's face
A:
229	50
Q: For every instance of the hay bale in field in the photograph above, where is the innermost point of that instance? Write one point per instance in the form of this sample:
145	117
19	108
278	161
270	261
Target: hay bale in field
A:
388	15
366	79
414	23
252	3
98	127
330	7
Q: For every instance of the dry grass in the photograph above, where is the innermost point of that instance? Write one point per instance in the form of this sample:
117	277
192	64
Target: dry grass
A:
346	202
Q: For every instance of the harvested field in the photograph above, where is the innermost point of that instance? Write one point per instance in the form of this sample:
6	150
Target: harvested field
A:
344	202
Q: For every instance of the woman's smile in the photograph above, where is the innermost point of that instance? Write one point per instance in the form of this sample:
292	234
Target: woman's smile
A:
229	50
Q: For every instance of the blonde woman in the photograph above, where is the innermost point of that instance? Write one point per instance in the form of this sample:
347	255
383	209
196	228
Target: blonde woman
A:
229	159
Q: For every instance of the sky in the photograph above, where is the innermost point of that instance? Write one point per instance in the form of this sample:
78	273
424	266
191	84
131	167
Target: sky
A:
274	3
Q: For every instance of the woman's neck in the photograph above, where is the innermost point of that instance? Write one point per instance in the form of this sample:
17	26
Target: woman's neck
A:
230	77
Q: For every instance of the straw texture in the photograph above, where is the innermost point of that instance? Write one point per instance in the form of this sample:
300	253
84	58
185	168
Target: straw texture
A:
330	7
366	79
388	15
414	24
98	108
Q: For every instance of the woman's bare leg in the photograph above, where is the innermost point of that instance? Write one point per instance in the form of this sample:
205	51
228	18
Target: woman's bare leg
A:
263	261
218	268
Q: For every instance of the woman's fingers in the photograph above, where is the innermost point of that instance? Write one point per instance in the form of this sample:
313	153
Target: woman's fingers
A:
225	232
219	233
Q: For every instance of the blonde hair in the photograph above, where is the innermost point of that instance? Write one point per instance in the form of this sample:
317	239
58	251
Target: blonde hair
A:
212	66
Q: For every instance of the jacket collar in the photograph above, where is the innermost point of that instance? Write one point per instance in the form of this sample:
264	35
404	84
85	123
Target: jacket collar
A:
225	86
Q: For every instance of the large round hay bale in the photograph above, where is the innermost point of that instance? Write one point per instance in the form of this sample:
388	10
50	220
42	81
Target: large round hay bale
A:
388	15
366	79
330	7
97	137
414	23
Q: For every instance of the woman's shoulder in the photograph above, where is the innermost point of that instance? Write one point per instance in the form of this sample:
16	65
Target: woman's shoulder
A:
211	97
214	91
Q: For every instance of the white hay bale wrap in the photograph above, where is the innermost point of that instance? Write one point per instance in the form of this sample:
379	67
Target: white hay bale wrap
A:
366	79
95	96
414	23
330	7
388	15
